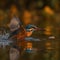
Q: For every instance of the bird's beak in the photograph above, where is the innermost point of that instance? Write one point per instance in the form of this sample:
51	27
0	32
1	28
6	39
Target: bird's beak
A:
37	29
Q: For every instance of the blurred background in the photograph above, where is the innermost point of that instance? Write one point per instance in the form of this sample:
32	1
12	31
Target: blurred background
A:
42	13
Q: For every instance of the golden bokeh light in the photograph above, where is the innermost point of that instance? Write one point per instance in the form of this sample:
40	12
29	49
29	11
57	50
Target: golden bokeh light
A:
27	17
48	10
48	30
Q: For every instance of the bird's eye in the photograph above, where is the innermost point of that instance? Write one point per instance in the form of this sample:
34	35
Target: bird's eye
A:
31	29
